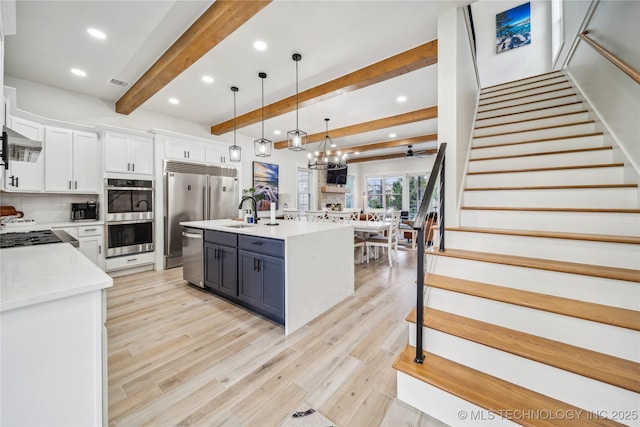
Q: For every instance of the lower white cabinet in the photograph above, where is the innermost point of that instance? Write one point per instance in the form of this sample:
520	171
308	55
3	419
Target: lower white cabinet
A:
91	242
142	261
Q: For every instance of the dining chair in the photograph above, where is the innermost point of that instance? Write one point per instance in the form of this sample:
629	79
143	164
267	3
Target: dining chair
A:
293	214
389	241
360	243
316	216
337	216
375	214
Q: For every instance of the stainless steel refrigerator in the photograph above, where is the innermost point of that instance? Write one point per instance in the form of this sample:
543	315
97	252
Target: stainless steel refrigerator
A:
195	192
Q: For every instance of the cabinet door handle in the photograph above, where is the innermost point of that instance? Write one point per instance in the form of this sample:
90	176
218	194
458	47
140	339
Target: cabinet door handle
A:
128	166
76	185
188	154
184	154
259	265
257	243
17	185
69	184
99	249
133	167
12	181
89	229
132	259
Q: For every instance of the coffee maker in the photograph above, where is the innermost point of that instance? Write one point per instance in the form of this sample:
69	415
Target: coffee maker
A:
87	211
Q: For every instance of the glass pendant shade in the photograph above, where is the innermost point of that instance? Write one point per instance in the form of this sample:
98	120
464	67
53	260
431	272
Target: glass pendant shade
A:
296	139
235	152
262	146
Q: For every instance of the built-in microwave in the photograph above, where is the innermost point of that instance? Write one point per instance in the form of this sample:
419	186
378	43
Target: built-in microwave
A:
128	199
129	237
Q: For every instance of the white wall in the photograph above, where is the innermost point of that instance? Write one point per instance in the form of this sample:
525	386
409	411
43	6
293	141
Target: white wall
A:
457	100
573	15
525	61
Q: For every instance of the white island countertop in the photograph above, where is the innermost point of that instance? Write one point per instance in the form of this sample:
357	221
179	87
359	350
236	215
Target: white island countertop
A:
282	231
34	274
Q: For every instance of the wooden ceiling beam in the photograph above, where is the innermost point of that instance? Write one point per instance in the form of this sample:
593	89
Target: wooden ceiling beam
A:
221	19
390	156
390	144
383	123
397	65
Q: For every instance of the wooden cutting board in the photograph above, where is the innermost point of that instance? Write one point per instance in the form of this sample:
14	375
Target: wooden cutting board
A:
10	211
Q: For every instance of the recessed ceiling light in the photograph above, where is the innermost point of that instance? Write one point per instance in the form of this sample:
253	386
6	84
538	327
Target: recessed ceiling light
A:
259	45
97	33
401	98
276	132
392	135
207	79
174	101
78	72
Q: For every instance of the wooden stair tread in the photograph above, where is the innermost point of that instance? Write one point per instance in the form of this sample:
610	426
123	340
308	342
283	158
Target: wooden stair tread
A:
609	238
553	98
487	391
535	129
551	168
614	273
587	363
529	111
538	209
553	187
499	85
530	141
543	153
483	104
531	120
519	89
615	316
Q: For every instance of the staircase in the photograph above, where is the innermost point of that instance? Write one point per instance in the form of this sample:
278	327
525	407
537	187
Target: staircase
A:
532	314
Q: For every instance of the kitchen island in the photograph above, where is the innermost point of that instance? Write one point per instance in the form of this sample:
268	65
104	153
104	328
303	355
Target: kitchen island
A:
53	341
291	272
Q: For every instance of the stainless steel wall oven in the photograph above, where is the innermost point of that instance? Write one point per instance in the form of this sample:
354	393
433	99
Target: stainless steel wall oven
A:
129	216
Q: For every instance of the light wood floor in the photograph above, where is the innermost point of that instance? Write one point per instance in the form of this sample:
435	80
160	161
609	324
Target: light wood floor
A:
179	355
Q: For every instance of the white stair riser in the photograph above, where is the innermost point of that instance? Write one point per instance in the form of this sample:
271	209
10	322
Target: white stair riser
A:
530	115
581	176
607	339
519	93
565	386
519	101
615	293
532	124
524	83
601	198
619	224
551	101
581	251
534	135
595	157
444	406
539	147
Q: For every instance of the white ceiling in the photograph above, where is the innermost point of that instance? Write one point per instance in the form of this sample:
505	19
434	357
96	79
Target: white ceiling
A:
333	37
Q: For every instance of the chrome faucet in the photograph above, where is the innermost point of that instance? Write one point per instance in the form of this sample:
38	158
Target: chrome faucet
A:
145	201
255	204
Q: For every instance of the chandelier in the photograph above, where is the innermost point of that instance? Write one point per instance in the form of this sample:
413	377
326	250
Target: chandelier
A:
328	155
262	145
296	139
235	152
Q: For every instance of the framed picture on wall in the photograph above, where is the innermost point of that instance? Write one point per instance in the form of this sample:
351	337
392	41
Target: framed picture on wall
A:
265	181
513	28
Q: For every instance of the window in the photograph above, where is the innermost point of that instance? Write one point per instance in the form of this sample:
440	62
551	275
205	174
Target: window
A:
557	29
417	187
385	192
349	195
303	192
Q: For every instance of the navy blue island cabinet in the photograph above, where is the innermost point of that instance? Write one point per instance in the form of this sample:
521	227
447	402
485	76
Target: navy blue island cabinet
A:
221	262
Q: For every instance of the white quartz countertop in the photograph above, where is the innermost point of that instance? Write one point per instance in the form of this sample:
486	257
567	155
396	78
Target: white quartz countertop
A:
34	274
24	227
284	229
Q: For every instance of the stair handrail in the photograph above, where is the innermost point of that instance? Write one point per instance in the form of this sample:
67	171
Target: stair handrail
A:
623	66
419	224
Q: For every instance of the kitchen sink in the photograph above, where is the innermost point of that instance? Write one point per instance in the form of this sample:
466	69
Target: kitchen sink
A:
240	225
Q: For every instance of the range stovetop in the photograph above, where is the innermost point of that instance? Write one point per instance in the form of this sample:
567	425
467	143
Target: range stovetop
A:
40	237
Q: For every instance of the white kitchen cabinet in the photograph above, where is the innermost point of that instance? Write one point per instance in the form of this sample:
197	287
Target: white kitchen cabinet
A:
128	154
71	161
184	150
91	239
25	176
217	153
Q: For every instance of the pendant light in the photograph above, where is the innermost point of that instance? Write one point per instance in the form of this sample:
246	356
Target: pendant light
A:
262	146
235	152
296	138
323	158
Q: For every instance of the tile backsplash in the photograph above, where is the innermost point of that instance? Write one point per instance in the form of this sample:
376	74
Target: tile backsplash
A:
44	207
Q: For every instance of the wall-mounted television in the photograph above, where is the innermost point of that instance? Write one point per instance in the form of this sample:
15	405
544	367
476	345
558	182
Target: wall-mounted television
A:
337	175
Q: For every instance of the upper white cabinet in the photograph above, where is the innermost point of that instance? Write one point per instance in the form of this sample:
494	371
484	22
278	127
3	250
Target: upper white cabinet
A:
128	154
71	161
217	153
25	176
184	150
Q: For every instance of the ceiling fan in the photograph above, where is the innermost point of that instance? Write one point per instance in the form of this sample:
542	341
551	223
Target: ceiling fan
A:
419	153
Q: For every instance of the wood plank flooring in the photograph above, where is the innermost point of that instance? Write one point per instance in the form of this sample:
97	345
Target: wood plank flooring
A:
179	355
